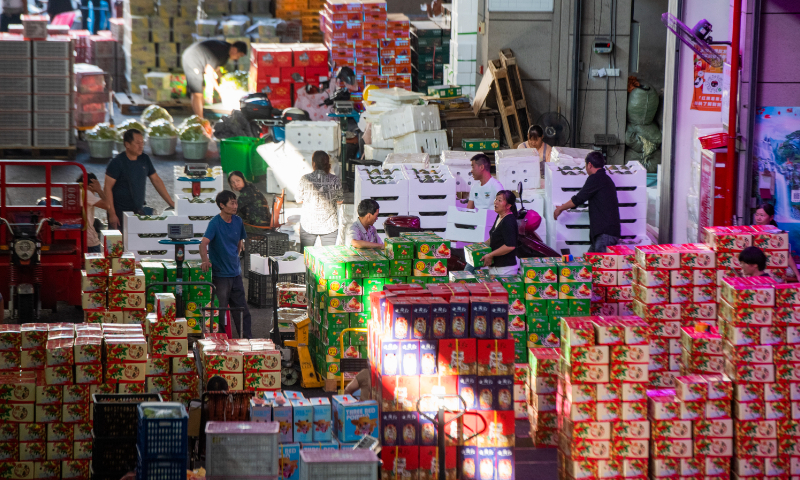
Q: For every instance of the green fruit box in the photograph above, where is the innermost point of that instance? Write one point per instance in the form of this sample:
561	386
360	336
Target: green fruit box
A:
575	291
399	248
196	273
334	267
520	346
569	272
348	287
374	284
356	267
475	252
396	280
349	304
379	267
335	321
513	285
360	320
536	308
579	308
400	268
539	272
462	277
544	333
431	248
330	336
430	268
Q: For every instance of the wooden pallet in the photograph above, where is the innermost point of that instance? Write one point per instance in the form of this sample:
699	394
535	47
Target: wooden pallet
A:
135	104
509	62
505	104
38	153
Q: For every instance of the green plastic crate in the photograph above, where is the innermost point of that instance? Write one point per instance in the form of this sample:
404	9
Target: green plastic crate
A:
480	144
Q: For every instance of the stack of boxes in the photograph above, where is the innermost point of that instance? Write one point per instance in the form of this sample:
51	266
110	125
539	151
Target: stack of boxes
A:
571	230
692	428
612	277
728	242
414	129
431	192
167	333
105	51
195	296
247	365
280	70
694	231
91	95
541	397
390	185
602	398
673	286
113	290
462	69
430	49
360	35
306	12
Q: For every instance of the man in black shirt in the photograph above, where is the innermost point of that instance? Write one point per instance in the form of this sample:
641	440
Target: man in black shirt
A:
206	57
601	193
126	177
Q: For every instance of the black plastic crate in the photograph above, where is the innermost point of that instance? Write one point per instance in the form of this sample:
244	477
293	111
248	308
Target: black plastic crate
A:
161	469
112	457
271	243
116	415
260	291
163	438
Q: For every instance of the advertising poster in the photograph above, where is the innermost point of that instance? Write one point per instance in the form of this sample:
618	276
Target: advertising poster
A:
708	81
777	152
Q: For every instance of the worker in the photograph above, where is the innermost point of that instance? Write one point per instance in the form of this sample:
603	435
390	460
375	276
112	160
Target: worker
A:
320	193
203	58
125	181
765	215
362	233
601	193
536	142
95	198
221	246
753	262
484	187
361	383
502	260
253	209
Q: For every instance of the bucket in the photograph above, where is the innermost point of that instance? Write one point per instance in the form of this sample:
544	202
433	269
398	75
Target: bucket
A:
163	145
101	148
194	150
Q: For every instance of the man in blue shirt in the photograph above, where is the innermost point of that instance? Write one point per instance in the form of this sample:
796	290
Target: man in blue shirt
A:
225	236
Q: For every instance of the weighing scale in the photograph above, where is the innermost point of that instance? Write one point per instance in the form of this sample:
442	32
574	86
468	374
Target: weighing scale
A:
196	173
180	235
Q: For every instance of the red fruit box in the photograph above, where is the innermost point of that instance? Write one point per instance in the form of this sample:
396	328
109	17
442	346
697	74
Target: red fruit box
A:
696	256
728	239
671	429
787	295
718	428
647	295
749	292
771	240
658	257
493	357
708	342
459	357
271	55
501	433
578	331
758	373
656	312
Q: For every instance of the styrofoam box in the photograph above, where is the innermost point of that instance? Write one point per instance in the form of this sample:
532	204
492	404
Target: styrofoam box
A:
526	173
430	197
416	160
135	243
628	228
465	233
15	85
580	215
290	262
377	137
469	225
259	264
433	142
462	176
430	219
409	119
183	206
455	157
376	154
393	197
570	156
132	224
190	254
212	188
51	68
15	103
313	136
393	97
693	208
15	120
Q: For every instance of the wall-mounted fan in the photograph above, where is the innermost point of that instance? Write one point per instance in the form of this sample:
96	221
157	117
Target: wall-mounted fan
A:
697	38
556	129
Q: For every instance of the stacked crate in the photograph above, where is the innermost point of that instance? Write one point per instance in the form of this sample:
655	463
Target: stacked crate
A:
167	334
728	242
431	191
430	49
91	94
414	129
254	365
673	287
17	86
602	397
462	70
541	396
157	377
388	185
185	382
106	52
612	277
692	428
281	70
53	60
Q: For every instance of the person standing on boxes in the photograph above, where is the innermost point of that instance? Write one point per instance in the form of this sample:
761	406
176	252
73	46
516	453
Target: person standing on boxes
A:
485	187
126	177
601	193
204	58
362	233
221	246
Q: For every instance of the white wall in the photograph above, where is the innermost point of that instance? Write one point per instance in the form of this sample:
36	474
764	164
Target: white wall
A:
718	13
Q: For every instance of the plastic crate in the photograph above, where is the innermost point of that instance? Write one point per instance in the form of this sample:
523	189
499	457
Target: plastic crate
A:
15	85
163	437
260	288
239	153
52	103
57	120
242	449
15	103
52	49
17	48
15	66
15	138
51	138
338	464
270	244
113	456
116	415
51	68
15	120
52	85
161	469
715	140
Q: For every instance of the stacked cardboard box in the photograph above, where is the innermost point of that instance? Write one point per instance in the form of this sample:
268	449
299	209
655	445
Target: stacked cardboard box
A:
692	428
280	70
612	277
91	95
728	242
462	69
602	398
414	129
541	396
430	49
247	365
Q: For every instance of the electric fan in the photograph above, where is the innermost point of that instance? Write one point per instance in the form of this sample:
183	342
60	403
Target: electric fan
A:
556	129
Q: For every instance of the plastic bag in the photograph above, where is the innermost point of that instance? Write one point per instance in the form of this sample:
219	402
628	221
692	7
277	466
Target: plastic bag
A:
128	124
644	139
102	131
163	128
642	105
153	113
194	133
650	162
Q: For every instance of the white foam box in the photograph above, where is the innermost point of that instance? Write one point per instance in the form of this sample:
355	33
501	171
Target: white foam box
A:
409	119
375	153
562	186
467	225
570	156
457	157
286	166
184	206
211	189
580	215
436	196
465	233
431	219
312	136
628	228
517	166
134	242
377	137
432	142
417	160
390	196
463	177
132	224
289	262
259	264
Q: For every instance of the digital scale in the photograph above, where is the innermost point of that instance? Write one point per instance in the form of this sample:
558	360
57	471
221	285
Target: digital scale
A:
196	173
180	235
